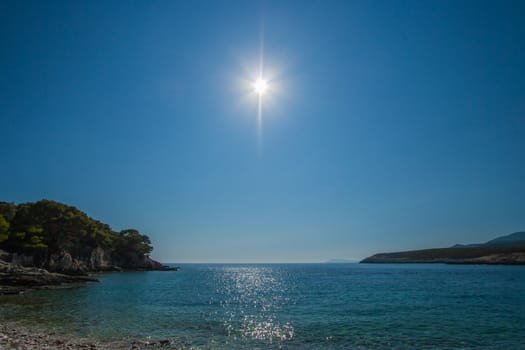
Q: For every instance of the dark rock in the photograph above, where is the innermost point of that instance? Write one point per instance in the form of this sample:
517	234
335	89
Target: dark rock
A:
64	263
5	290
15	278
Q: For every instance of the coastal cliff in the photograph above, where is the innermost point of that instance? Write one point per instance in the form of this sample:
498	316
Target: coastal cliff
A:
61	238
47	240
505	250
64	270
98	260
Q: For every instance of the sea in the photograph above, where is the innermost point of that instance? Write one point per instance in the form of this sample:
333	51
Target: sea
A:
291	306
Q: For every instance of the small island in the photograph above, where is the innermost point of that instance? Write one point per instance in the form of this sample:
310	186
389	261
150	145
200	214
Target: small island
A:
504	250
48	243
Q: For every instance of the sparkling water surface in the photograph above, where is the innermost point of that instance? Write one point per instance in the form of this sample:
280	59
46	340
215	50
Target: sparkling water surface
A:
293	306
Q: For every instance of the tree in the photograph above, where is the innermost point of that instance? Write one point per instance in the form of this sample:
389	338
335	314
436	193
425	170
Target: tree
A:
131	241
8	211
46	227
4	229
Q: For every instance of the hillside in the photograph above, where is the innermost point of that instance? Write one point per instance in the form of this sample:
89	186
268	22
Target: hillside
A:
508	250
61	238
513	238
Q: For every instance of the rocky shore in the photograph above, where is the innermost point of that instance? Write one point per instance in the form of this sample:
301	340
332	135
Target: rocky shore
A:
13	336
17	272
15	279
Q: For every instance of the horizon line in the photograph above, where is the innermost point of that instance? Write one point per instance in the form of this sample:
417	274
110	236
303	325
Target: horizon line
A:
349	261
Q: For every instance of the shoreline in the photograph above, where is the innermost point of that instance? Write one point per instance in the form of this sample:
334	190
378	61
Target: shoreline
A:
17	279
22	337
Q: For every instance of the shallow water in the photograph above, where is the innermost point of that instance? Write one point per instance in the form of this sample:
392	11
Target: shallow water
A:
293	306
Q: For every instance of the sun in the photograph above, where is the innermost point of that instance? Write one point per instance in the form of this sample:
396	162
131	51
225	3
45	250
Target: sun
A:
260	86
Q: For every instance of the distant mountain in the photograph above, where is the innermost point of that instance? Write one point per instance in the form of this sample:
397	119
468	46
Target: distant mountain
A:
511	239
507	250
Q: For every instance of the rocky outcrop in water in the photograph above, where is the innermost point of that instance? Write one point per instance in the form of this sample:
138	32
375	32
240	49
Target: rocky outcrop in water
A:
16	278
64	270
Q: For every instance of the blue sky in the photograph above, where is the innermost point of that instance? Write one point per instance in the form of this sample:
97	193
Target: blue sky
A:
387	125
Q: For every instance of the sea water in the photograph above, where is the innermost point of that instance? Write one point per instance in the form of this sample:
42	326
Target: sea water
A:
292	306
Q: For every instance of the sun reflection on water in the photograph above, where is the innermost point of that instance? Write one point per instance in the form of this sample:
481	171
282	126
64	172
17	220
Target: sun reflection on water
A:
251	300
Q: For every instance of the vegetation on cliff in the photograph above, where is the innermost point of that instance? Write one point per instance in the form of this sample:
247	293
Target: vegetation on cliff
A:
47	228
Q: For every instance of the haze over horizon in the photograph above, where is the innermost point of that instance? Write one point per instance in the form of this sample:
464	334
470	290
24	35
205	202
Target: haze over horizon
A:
386	126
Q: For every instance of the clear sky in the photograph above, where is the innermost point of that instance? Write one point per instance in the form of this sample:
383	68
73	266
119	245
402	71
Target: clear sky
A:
388	125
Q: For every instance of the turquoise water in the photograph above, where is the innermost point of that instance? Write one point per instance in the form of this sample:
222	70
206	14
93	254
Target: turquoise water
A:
293	306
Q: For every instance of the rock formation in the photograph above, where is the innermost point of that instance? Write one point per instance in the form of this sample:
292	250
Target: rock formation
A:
99	260
15	278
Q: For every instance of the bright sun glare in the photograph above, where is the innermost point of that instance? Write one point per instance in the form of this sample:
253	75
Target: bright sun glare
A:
260	86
